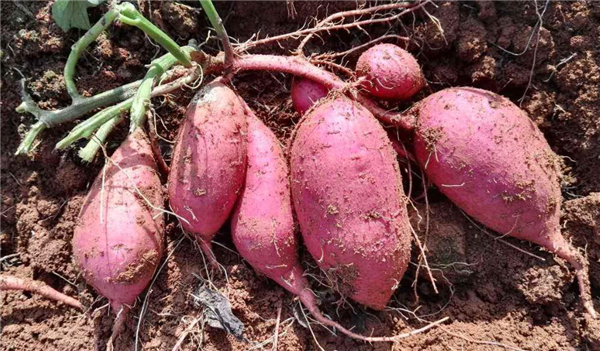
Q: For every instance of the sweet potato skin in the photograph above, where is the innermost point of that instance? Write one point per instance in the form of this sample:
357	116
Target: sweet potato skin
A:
488	157
118	241
209	161
390	72
306	93
262	225
348	197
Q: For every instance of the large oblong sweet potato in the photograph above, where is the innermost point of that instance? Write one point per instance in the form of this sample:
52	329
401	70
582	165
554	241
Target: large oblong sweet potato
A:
209	162
347	193
488	157
118	241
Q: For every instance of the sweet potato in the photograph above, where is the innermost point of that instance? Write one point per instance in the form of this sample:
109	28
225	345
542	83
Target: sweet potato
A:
347	193
390	72
488	157
209	162
118	241
305	93
262	226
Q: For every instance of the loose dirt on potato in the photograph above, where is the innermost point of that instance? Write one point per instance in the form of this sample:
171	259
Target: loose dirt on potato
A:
495	291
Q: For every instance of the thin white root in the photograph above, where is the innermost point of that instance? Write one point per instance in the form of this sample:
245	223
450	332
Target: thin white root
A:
185	334
425	262
250	44
118	326
481	342
156	275
307	298
277	326
326	23
496	237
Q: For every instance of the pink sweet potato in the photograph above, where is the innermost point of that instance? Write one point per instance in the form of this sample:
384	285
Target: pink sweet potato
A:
305	93
347	193
486	155
390	72
262	226
118	241
209	162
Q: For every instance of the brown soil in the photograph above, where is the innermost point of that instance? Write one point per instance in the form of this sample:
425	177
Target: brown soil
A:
492	292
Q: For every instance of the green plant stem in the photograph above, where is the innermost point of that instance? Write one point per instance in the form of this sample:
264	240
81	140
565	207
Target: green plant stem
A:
87	128
49	119
88	152
217	23
30	137
129	15
141	100
126	13
79	47
81	105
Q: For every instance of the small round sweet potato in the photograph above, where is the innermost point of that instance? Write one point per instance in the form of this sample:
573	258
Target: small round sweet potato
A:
306	93
348	197
390	72
209	162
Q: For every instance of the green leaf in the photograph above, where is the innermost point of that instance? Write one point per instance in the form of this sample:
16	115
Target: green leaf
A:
73	13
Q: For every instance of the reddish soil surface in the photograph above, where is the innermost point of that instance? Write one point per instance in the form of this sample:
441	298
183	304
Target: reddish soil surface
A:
495	292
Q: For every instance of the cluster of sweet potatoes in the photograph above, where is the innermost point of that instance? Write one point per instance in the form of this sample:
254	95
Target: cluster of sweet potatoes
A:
341	179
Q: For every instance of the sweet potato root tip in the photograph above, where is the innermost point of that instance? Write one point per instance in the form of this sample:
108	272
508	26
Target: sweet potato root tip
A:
8	282
209	255
118	325
581	267
308	300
